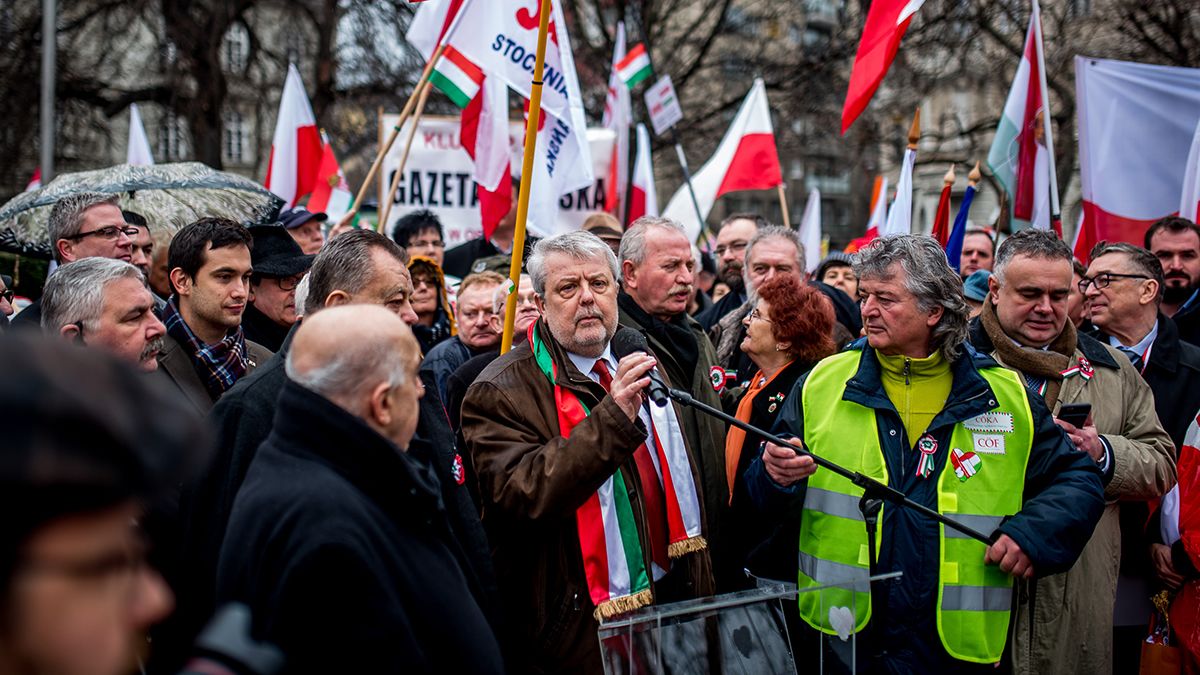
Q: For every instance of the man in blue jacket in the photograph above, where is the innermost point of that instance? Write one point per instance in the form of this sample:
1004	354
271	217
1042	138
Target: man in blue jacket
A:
916	408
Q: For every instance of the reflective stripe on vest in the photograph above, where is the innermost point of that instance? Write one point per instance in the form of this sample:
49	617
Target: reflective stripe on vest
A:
974	600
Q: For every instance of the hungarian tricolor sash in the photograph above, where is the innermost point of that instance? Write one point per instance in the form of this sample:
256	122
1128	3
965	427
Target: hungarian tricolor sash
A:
608	532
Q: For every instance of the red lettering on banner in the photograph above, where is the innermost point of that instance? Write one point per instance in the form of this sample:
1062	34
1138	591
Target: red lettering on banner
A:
532	20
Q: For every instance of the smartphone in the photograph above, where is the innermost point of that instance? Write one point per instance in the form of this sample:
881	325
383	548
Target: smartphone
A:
1075	414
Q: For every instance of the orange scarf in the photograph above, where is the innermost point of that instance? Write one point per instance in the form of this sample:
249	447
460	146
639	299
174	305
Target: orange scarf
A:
737	437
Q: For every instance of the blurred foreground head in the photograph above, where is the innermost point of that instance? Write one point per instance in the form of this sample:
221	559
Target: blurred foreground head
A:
89	444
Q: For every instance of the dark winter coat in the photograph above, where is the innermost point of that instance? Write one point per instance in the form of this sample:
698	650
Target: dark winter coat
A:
341	547
532	482
241	421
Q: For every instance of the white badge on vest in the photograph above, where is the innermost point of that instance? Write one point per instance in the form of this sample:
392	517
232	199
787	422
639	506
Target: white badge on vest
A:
989	444
991	422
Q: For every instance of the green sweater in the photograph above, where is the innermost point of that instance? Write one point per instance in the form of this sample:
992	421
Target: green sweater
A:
918	388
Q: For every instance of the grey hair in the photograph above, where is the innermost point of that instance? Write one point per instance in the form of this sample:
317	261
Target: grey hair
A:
929	278
777	232
581	245
301	294
633	244
66	218
75	292
357	365
344	264
1146	262
1031	243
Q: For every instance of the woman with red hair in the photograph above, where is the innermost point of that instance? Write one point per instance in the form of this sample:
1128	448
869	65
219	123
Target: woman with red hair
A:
787	332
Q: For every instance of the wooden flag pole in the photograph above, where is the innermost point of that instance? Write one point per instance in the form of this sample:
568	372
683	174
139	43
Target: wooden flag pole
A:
408	108
531	128
412	133
914	131
787	218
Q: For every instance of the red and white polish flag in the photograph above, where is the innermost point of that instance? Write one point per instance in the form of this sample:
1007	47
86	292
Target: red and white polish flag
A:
887	20
1136	126
296	148
643	198
746	159
35	181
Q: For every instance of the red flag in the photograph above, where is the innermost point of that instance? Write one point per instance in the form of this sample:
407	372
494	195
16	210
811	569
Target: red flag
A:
941	221
886	22
479	138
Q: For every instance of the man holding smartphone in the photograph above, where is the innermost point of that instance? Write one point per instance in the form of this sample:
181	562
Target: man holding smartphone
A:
1107	410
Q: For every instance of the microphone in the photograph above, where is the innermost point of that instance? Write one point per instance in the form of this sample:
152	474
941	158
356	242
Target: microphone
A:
628	341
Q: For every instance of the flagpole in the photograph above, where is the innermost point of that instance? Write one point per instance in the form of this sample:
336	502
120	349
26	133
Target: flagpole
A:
1047	123
687	179
531	128
787	219
408	108
412	133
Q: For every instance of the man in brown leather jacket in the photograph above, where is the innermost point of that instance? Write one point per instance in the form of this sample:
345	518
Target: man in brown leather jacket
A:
556	427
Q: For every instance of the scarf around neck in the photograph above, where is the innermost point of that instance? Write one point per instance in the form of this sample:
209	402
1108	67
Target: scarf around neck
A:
613	561
1047	364
676	334
220	364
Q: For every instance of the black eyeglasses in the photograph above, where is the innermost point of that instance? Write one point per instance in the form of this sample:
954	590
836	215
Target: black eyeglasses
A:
7	295
1103	280
288	283
108	233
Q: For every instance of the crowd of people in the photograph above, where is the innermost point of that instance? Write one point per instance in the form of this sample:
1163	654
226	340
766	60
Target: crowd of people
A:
323	431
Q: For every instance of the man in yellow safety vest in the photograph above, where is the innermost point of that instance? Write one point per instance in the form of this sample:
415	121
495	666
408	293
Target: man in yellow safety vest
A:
915	407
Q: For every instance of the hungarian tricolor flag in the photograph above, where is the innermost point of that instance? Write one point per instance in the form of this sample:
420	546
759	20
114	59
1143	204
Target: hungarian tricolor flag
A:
635	66
1020	158
886	22
331	194
746	159
643	198
296	148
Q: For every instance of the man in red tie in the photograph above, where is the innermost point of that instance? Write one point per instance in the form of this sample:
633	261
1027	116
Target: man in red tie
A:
590	496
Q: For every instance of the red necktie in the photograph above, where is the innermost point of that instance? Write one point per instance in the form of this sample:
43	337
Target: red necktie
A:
652	490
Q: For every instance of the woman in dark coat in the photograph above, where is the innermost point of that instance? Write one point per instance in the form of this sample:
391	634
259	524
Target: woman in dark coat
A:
788	331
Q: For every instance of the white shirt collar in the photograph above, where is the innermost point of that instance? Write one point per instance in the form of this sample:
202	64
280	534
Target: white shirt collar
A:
586	363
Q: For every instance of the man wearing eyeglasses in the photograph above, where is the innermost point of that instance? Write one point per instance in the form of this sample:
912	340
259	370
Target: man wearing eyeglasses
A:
279	265
732	239
1124	286
84	225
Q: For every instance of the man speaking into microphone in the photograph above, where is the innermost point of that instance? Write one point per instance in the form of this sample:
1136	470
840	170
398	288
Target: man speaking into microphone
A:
590	495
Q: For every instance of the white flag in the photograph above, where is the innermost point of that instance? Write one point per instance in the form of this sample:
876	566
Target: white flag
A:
810	231
1191	180
138	150
501	39
899	219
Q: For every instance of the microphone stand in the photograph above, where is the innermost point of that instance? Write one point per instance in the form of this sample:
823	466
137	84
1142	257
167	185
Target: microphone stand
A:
873	490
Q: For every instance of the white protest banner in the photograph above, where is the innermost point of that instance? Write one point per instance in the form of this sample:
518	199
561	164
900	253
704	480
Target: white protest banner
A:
438	177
